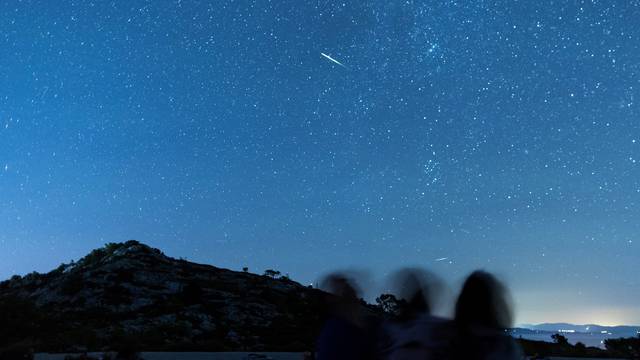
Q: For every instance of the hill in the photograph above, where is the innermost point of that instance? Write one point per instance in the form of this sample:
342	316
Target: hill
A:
130	294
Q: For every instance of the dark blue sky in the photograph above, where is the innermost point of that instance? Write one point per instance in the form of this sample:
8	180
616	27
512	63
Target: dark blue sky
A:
501	135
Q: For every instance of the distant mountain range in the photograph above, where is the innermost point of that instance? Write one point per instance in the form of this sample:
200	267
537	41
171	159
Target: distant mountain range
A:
589	334
616	331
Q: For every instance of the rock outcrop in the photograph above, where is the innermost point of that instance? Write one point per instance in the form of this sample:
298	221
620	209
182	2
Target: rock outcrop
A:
130	294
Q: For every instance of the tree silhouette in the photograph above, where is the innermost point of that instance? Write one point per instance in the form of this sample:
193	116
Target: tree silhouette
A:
624	347
272	273
580	348
560	339
389	303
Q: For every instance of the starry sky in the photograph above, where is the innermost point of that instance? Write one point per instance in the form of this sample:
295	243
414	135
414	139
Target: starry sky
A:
314	135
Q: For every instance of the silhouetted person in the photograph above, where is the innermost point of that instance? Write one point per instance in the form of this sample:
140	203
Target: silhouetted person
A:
483	314
414	333
348	333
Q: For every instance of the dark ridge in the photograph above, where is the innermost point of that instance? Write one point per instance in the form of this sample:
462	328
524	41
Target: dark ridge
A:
130	292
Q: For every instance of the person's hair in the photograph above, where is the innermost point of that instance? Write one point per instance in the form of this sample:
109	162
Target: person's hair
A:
340	285
418	289
484	301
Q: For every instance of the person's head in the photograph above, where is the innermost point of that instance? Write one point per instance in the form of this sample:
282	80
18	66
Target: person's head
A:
418	289
342	298
340	285
484	301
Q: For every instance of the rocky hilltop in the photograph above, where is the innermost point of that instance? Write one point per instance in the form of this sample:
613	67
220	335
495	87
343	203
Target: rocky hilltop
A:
131	295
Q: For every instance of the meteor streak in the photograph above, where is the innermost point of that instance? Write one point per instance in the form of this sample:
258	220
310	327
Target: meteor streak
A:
332	59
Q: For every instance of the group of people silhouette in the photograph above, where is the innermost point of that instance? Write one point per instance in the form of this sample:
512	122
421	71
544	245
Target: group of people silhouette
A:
477	331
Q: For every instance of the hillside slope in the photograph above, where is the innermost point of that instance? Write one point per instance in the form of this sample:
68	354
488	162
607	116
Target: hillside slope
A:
129	294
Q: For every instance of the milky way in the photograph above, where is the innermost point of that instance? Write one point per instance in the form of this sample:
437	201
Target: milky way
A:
495	135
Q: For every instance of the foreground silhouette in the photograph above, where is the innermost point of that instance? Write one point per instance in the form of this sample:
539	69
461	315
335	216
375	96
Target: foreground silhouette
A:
483	314
129	296
414	333
349	331
478	331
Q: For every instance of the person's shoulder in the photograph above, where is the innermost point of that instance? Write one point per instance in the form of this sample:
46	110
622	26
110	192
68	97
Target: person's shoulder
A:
433	319
436	323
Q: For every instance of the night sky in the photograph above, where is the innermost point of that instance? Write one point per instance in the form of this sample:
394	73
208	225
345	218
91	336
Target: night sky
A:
307	136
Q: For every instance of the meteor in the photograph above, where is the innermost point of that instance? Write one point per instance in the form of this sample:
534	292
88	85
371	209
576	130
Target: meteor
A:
332	59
